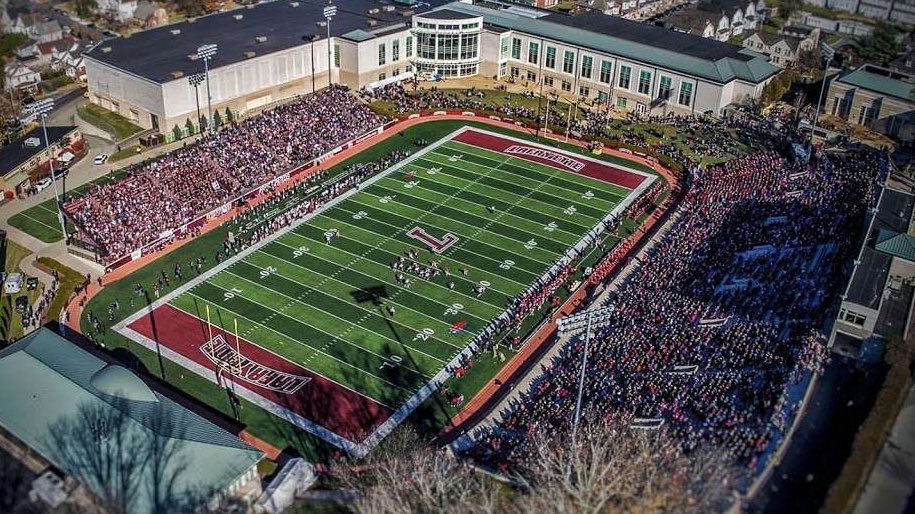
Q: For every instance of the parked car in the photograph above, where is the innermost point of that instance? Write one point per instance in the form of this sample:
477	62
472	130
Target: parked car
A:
42	184
100	159
22	303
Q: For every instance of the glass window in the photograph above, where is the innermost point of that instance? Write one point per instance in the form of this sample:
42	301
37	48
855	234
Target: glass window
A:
504	52
533	53
470	46
566	85
447	47
664	87
514	71
686	93
587	62
395	50
516	48
644	82
625	75
606	72
584	90
337	56
548	81
409	46
550	57
568	61
425	46
381	57
621	102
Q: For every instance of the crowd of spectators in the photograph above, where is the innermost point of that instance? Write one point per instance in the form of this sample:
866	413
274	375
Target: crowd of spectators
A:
716	322
160	196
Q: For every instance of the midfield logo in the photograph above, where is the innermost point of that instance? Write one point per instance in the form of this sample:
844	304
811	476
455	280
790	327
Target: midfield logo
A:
435	244
568	162
224	355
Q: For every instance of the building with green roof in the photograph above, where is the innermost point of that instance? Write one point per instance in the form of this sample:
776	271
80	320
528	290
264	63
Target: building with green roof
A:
880	99
276	51
134	448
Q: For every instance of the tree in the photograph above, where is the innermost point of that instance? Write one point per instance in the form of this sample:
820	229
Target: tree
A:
788	7
612	469
189	127
405	475
190	7
217	119
230	116
880	46
204	124
176	131
85	8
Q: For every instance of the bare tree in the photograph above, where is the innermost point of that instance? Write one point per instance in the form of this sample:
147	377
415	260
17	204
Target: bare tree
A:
407	476
123	459
619	469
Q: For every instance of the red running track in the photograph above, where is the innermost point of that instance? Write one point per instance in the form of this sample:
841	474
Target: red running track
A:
319	400
567	161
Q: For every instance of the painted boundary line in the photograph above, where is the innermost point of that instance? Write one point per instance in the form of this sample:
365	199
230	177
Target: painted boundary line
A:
361	449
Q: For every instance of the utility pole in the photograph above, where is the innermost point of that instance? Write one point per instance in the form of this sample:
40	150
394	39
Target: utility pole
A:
829	53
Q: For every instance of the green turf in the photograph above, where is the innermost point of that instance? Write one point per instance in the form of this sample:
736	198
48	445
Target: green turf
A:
258	421
296	296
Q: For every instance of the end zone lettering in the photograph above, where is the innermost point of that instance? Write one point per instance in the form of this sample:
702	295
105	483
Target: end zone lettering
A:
542	153
223	354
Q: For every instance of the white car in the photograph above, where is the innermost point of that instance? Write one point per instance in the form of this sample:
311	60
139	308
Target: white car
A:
42	184
100	159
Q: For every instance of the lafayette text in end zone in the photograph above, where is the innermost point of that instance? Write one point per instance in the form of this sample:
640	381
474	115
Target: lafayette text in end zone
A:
508	213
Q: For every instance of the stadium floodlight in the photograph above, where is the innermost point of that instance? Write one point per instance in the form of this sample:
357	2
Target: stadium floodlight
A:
41	108
206	52
829	53
195	80
329	12
574	323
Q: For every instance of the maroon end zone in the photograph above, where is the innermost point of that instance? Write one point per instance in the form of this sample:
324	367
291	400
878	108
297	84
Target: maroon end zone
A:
284	383
587	167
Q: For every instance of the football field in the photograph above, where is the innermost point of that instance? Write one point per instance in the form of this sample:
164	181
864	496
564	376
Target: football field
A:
345	321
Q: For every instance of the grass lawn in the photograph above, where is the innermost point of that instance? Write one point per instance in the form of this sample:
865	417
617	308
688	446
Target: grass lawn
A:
10	320
108	121
125	153
69	279
258	421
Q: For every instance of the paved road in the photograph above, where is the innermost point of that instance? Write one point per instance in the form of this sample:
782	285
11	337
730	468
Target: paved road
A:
890	487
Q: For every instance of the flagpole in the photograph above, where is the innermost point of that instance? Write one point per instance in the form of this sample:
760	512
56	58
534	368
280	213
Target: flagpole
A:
210	340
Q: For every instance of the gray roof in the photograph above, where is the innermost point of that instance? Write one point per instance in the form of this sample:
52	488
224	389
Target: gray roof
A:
71	406
16	153
867	283
283	25
449	14
692	55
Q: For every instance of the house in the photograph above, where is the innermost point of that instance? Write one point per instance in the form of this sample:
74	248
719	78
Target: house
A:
719	19
55	51
46	31
150	14
120	10
20	77
26	160
877	98
781	50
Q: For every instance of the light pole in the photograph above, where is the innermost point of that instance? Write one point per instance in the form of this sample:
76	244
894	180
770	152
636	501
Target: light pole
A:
195	80
41	109
329	12
574	323
829	53
206	52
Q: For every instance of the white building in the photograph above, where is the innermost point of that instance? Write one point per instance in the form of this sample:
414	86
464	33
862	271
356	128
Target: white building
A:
20	77
278	50
782	50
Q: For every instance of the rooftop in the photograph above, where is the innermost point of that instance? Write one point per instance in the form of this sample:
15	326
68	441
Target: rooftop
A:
881	80
17	152
68	404
285	24
706	58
